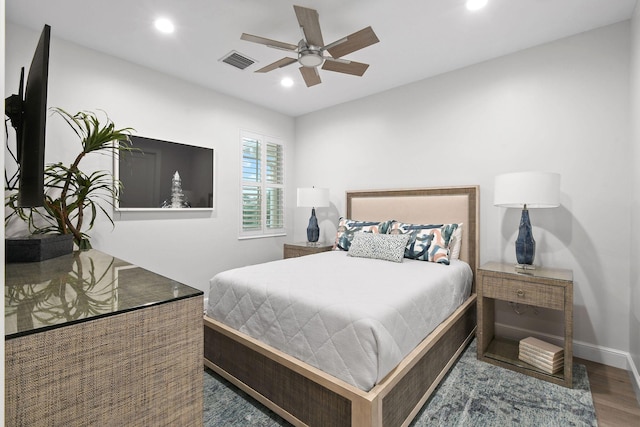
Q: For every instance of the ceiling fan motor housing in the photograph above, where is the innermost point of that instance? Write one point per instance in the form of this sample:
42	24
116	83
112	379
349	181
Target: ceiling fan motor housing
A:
310	56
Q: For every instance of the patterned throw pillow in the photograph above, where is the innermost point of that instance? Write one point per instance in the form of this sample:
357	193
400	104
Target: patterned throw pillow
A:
427	242
347	228
379	246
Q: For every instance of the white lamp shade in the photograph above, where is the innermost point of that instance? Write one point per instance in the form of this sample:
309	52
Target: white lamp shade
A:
313	197
535	189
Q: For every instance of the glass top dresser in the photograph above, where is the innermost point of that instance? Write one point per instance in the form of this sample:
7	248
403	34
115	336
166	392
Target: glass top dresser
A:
92	339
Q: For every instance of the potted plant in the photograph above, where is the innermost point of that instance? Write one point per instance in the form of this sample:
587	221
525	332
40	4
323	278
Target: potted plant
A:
72	197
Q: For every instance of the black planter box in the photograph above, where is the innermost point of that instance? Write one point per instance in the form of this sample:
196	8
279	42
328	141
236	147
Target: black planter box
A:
37	247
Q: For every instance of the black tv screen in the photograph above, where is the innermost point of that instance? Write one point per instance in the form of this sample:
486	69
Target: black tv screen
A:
28	117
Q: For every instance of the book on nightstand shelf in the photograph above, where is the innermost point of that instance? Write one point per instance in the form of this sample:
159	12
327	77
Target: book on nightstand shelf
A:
543	355
543	366
542	359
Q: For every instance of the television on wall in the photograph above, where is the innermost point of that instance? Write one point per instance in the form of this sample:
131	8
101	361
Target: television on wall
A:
160	174
27	112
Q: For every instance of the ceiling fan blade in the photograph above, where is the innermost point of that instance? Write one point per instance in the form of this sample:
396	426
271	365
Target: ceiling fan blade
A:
268	42
278	64
310	76
310	23
356	41
350	67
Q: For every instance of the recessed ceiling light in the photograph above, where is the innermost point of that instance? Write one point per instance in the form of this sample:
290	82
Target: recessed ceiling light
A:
286	82
164	25
476	4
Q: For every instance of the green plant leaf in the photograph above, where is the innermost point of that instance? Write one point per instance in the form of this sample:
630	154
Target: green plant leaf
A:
73	199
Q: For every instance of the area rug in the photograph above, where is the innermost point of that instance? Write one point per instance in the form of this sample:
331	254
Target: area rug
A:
473	393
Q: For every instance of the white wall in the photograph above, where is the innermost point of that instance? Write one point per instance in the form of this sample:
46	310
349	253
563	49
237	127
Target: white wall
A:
634	317
561	107
188	247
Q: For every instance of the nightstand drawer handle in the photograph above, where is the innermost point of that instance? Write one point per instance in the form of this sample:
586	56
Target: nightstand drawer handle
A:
520	293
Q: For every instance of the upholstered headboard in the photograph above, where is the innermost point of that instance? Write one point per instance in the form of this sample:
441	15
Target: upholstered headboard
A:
423	206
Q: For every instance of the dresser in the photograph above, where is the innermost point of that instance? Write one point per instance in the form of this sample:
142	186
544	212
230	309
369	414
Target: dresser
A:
93	340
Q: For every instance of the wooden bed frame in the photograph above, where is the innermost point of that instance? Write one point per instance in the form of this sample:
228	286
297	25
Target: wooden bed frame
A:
304	395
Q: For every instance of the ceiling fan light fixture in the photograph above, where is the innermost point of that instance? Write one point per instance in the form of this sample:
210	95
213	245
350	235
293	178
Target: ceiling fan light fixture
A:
310	58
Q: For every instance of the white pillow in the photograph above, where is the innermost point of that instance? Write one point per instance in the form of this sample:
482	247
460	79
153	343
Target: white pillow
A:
388	247
455	243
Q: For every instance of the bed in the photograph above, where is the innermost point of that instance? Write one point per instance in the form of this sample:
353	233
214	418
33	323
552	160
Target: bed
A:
306	395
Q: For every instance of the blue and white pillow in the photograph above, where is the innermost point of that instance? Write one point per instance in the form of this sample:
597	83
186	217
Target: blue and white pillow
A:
427	242
348	228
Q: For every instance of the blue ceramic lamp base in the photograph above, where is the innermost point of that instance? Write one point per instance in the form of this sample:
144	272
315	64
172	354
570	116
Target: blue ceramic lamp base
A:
525	244
313	231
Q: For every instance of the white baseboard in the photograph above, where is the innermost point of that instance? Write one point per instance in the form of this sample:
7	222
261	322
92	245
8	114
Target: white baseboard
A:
595	353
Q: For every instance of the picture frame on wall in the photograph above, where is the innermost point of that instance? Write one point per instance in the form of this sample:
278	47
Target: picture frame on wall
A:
163	175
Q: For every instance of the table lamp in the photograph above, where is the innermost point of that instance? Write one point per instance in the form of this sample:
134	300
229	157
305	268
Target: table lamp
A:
313	198
527	190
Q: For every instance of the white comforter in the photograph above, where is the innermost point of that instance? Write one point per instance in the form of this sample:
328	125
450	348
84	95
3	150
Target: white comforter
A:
353	318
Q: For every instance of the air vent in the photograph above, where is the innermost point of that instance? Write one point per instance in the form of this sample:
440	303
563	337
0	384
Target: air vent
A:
237	60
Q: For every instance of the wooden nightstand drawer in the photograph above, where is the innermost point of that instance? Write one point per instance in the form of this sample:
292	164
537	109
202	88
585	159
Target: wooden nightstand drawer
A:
293	250
531	293
296	252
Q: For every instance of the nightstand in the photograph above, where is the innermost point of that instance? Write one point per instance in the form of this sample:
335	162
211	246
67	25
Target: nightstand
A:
292	250
542	287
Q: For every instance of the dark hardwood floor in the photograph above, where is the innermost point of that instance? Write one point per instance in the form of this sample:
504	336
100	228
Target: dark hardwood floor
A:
613	396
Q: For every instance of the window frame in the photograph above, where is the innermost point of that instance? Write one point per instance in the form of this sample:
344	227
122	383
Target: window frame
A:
263	142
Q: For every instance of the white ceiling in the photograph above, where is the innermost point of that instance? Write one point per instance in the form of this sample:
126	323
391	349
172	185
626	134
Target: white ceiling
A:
418	38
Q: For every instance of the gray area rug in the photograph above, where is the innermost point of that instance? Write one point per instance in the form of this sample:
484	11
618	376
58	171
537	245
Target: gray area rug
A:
473	393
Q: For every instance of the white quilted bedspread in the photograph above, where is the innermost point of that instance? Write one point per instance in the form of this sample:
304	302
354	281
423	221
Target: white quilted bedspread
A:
353	318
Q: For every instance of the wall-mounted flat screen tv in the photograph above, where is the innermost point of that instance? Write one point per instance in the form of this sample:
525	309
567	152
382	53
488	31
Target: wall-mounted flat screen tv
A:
27	111
160	174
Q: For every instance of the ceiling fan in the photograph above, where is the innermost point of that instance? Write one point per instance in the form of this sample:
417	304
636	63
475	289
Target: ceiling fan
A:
311	49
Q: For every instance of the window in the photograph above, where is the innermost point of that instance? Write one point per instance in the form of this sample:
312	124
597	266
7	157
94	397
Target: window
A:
262	186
